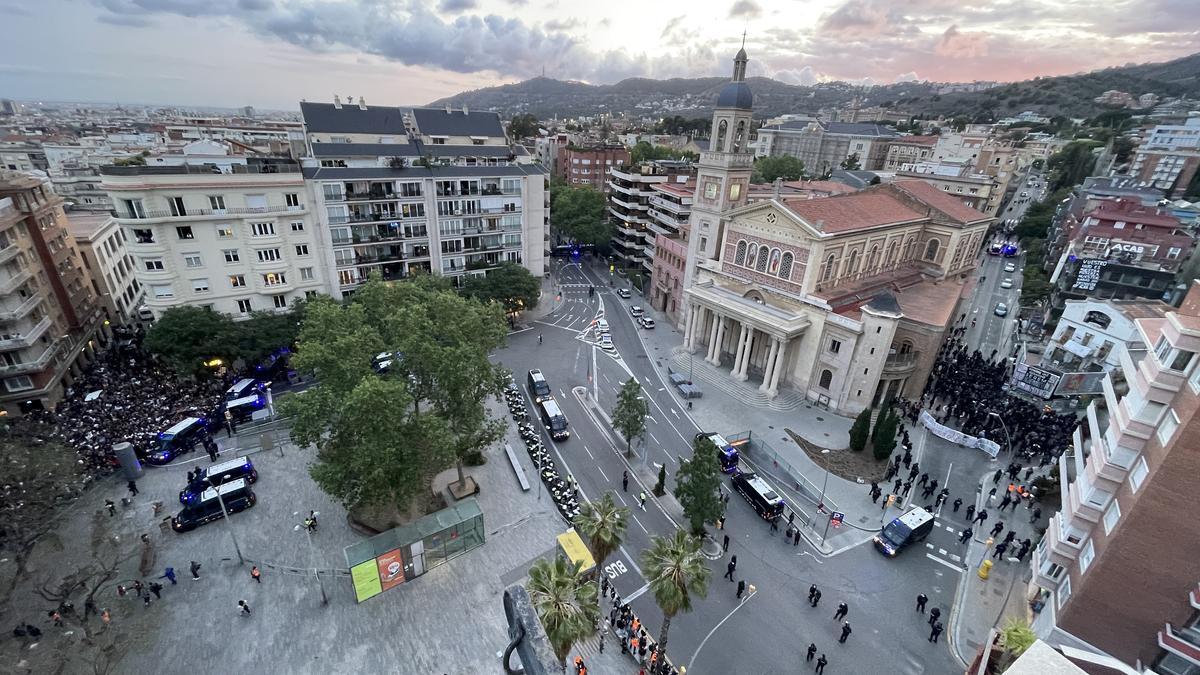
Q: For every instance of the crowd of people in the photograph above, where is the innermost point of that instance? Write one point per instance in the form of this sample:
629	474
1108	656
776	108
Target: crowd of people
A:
631	635
122	396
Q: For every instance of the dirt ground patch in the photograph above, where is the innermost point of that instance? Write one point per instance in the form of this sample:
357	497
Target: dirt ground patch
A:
844	463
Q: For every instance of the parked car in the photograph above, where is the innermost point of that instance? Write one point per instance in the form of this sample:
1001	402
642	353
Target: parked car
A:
624	293
646	322
1010	268
1007	283
606	343
636	311
1001	309
602	326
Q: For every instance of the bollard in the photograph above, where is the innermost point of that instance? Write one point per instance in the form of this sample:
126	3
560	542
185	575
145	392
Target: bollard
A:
984	569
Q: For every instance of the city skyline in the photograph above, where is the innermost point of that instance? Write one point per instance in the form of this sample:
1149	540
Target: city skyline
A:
409	53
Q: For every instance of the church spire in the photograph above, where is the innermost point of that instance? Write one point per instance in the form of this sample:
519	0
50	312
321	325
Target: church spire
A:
739	62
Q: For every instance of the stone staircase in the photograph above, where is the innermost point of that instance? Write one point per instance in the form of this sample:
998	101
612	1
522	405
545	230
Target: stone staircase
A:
746	392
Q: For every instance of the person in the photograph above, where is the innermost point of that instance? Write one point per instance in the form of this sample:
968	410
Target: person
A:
721	523
921	600
132	487
56	618
935	632
774	526
1037	513
796	540
841	612
156	589
625	481
957	503
211	446
725	544
195	569
255	574
821	665
244	607
169	575
971	513
111	506
539	338
812	590
845	632
934	615
981	517
997	528
816	598
996	476
642	500
741	588
965	536
1000	549
729	569
812	650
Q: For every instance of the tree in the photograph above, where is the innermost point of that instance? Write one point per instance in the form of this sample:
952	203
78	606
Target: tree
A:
645	152
629	417
660	485
675	571
265	333
851	162
522	126
884	439
602	525
566	603
577	214
767	169
1069	166
860	431
510	284
698	485
186	336
1016	637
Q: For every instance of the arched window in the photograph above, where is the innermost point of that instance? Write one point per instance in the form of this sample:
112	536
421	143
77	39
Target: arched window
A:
826	379
891	254
906	347
852	263
740	137
785	267
872	259
751	255
1098	319
908	248
827	268
763	254
931	249
739	258
773	265
722	131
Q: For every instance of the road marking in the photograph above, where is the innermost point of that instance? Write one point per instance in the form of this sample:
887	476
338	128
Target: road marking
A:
941	551
652	436
635	519
589	452
928	545
623	502
636	594
673	411
602	472
651	419
942	562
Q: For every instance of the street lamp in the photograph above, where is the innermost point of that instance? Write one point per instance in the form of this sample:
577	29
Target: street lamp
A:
825	484
1008	439
312	559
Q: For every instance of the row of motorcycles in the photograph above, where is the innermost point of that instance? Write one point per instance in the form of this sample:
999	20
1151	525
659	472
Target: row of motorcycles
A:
564	492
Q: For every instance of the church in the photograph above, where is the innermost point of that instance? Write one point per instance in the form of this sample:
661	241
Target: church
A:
843	299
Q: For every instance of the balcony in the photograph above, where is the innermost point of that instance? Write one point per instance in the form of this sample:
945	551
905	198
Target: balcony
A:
14	282
40	363
27	338
128	218
900	363
8	253
629	205
503	210
682	210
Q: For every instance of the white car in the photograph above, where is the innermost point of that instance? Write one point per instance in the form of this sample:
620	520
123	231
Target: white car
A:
646	322
1010	268
623	293
602	326
1001	309
1007	283
636	311
606	343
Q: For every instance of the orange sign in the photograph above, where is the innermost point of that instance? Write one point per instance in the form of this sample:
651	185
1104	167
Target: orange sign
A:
391	569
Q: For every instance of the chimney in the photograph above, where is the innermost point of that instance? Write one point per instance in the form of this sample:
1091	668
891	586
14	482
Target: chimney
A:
778	188
362	104
337	102
447	108
465	111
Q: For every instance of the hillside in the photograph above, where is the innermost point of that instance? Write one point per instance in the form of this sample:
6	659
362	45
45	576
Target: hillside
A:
1069	95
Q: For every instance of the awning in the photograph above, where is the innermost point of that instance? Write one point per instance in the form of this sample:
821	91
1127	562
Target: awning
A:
573	547
1078	349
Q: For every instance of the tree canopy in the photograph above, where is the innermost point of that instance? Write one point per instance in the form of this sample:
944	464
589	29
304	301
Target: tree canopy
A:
851	162
681	126
1069	166
565	601
187	336
510	284
860	431
676	572
522	126
629	417
767	169
644	152
577	214
698	485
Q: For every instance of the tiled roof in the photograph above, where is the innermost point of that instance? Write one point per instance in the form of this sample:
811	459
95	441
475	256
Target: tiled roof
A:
1132	212
856	211
438	122
687	189
830	186
928	194
859	129
350	119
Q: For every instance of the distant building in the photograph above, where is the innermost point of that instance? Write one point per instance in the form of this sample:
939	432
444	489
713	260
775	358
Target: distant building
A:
7	107
824	146
1091	332
589	165
630	189
977	191
108	263
670	212
908	150
1169	159
247	111
1114	97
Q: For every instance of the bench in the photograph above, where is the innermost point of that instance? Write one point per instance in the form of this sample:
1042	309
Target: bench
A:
516	465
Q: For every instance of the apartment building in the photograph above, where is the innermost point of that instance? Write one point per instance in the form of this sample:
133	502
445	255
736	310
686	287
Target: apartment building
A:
823	146
1169	158
235	237
1116	571
109	266
670	212
978	191
630	190
908	150
589	166
49	318
411	191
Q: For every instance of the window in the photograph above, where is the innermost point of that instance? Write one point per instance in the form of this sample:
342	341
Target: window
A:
785	267
1051	570
306	274
224	231
704	244
828	268
292	199
192	260
237	281
153	264
262	229
739	256
200	285
1064	593
231	255
761	264
1162	348
439	141
1138	475
1168	426
931	249
1097	318
298	226
185	232
1111	516
176	205
244	306
835	346
751	254
268	255
301	249
163	291
274	279
19	383
280	301
826	379
216	202
1181	360
852	263
134	208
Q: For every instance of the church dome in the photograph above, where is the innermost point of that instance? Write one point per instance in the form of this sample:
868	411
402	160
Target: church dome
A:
735	95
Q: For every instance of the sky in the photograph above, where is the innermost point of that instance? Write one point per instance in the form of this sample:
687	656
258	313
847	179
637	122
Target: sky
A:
272	53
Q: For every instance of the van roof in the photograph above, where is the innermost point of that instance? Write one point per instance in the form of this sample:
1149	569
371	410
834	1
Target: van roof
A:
181	425
253	398
225	488
915	518
760	486
717	440
536	374
229	465
551	407
240	385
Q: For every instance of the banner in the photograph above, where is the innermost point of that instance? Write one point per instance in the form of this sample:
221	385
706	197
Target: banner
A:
366	580
1033	380
957	437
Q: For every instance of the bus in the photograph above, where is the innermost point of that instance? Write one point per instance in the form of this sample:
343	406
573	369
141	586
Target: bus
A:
726	452
554	419
909	528
766	502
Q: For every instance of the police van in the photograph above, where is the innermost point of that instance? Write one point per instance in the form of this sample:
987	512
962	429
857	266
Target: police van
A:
760	494
218	474
904	530
243	388
236	494
554	419
180	438
243	409
538	385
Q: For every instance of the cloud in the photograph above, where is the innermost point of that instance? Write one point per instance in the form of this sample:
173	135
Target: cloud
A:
672	24
454	6
745	9
958	45
14	10
805	76
910	76
126	20
561	25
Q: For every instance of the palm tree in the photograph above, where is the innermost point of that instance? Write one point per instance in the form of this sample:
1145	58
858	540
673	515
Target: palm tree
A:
676	571
565	602
602	524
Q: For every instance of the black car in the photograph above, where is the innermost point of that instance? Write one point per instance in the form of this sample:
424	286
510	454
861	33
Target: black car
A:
218	474
237	496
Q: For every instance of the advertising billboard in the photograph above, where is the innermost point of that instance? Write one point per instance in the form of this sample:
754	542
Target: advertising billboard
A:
391	569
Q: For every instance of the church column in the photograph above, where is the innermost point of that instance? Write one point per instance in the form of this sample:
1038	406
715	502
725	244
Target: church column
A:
740	350
696	323
712	337
773	390
746	351
769	366
716	350
689	328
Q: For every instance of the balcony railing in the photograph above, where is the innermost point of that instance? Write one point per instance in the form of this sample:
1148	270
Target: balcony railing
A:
190	212
13	282
501	211
35	365
899	362
27	338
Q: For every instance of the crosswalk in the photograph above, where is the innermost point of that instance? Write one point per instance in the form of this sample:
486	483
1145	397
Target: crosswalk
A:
942	555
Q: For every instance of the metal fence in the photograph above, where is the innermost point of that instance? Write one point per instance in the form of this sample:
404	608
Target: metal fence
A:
768	461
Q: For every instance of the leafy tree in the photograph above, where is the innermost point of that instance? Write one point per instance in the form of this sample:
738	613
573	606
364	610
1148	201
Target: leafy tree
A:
851	162
510	284
1016	637
565	602
264	333
1069	166
1122	148
186	336
678	125
629	417
644	152
660	486
577	214
698	485
602	524
959	123
767	169
884	439
522	126
675	571
860	431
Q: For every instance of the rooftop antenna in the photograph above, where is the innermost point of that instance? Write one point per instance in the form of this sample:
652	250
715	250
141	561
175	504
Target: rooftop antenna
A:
743	37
